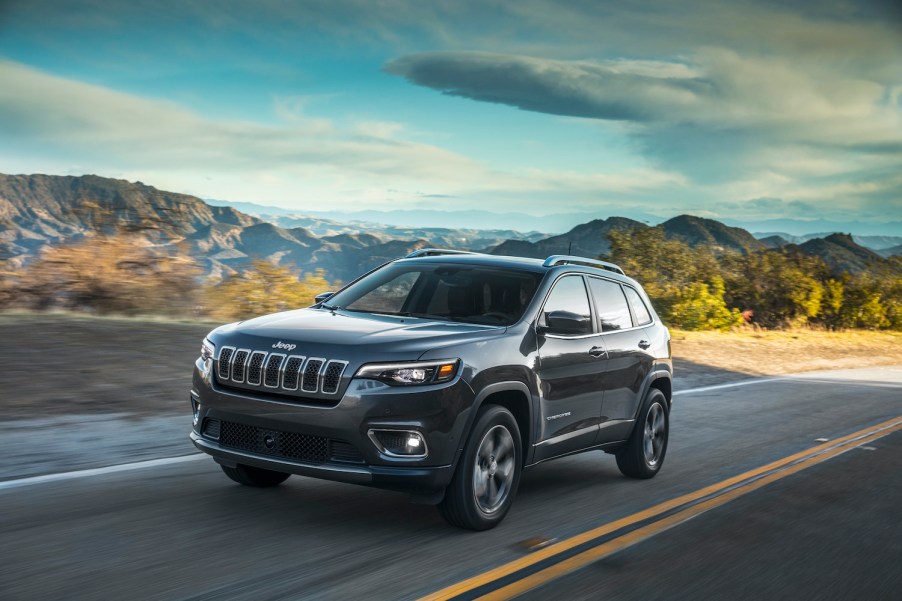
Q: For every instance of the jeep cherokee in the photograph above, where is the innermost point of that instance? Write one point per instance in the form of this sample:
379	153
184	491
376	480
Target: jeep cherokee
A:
443	374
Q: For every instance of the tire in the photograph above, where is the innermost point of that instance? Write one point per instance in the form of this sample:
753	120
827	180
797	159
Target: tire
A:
643	454
254	476
488	472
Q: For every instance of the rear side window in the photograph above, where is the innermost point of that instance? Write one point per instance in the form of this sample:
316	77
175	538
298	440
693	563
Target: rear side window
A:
643	315
610	304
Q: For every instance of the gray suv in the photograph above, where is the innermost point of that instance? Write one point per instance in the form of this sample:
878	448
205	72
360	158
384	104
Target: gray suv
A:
443	374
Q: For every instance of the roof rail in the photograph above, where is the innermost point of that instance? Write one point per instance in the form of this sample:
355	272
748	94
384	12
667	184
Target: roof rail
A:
571	260
434	252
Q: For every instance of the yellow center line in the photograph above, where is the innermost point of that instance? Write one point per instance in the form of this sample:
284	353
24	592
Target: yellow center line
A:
565	545
631	538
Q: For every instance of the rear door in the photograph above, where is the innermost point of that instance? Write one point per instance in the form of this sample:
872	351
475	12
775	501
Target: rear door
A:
628	360
570	369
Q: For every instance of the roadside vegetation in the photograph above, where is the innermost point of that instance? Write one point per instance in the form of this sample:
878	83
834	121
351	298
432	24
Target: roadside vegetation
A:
124	275
699	288
693	288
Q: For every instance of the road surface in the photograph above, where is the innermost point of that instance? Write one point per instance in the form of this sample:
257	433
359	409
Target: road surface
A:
806	524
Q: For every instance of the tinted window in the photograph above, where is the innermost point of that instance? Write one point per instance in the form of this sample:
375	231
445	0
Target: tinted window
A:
446	291
569	294
643	315
610	304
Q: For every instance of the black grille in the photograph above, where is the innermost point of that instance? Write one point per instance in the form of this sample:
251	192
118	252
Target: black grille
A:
255	367
225	362
344	452
291	445
292	367
272	370
310	382
211	428
332	376
238	367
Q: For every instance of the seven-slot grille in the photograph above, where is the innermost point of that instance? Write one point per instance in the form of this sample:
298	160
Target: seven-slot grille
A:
279	371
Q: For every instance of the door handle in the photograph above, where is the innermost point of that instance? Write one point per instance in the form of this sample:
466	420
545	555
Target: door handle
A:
644	344
597	351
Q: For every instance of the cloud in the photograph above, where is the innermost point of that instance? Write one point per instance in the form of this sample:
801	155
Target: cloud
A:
132	131
356	163
720	89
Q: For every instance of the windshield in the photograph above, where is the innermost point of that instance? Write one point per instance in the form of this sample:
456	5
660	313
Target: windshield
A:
445	291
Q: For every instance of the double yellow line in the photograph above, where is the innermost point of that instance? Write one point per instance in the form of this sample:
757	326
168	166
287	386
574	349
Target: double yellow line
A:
541	567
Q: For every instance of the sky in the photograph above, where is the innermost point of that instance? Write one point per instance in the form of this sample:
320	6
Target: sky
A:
728	109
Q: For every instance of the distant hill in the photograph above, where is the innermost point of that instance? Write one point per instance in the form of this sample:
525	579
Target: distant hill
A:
41	210
697	230
875	243
586	240
774	241
895	251
841	253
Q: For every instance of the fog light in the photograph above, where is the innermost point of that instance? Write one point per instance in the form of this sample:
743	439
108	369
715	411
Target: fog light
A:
399	443
195	407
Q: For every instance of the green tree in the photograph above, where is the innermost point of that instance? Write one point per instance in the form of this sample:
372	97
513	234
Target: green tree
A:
700	306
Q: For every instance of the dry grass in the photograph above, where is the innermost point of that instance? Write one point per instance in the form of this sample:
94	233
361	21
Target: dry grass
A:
759	353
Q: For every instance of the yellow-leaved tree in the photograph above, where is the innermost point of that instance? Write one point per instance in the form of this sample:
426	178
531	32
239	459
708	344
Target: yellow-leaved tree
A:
265	288
105	274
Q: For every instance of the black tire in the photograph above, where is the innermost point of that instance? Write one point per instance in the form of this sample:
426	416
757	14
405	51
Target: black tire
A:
641	456
254	476
464	506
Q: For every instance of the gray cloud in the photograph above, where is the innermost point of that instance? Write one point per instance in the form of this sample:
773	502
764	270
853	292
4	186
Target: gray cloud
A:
616	91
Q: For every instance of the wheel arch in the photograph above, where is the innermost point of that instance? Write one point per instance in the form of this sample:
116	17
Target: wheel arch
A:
516	398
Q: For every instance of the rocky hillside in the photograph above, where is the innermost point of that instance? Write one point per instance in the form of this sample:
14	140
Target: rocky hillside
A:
37	210
40	210
697	230
841	253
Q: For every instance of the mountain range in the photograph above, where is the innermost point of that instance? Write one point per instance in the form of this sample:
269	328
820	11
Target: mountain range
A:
40	210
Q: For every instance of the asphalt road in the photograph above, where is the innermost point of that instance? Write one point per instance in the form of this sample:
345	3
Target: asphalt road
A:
183	531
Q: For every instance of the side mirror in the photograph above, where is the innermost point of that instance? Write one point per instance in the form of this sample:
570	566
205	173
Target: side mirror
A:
565	322
321	297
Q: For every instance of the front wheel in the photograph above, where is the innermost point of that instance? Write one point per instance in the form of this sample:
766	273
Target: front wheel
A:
488	473
643	453
254	476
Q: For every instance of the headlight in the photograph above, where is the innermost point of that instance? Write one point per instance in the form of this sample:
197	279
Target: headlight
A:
207	350
411	374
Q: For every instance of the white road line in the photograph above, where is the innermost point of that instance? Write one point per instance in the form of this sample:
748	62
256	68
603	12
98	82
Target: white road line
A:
730	385
110	469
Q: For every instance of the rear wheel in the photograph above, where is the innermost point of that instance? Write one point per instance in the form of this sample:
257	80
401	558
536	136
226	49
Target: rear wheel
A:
488	473
254	476
643	454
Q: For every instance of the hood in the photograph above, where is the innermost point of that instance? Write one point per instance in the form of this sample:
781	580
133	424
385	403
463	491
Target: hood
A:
361	337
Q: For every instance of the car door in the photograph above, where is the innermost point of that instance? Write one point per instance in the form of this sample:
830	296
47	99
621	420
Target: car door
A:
628	360
569	370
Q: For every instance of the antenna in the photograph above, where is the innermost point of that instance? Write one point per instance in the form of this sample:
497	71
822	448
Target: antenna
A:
569	246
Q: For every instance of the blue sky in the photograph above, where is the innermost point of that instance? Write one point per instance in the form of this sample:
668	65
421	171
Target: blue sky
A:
723	109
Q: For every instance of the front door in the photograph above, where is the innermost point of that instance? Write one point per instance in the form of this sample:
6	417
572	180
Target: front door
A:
571	362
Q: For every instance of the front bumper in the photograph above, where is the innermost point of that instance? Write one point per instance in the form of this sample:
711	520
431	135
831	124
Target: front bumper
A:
438	412
404	478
